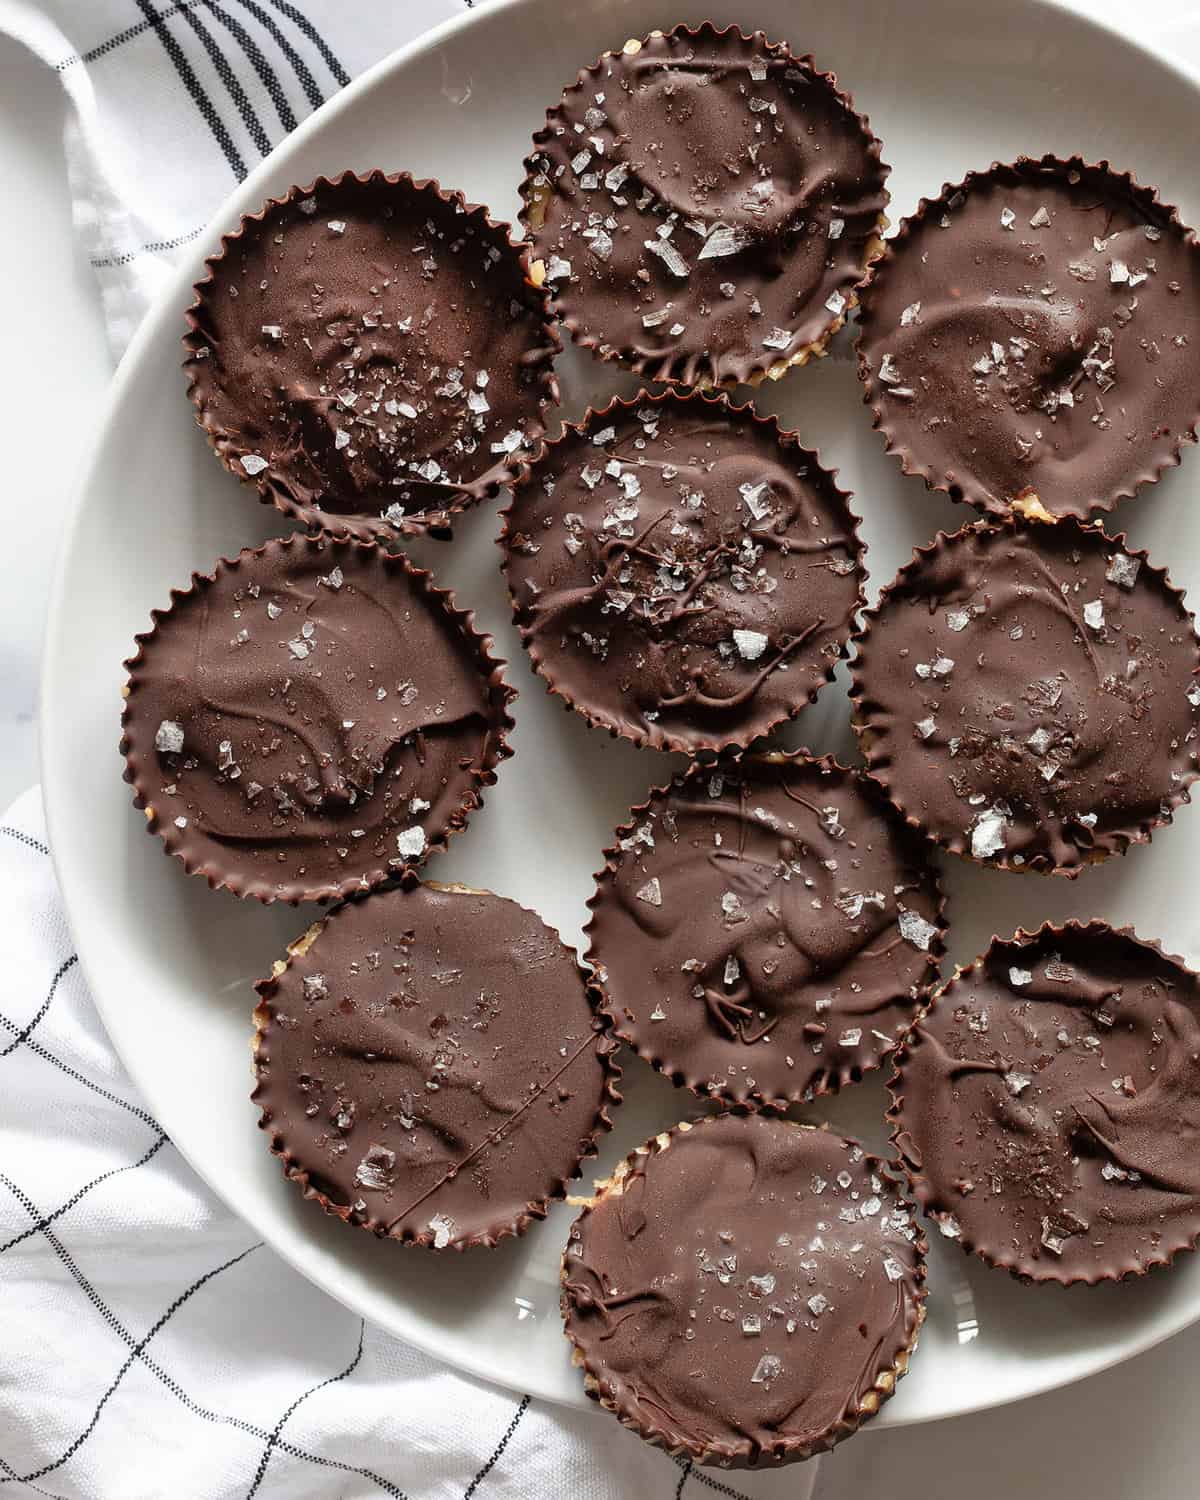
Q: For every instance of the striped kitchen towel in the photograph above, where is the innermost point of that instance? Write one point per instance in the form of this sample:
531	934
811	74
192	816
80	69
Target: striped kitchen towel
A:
173	104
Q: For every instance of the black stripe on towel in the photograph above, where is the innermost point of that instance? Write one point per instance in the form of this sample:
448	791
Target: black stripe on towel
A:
498	1450
314	36
301	69
266	73
194	87
229	78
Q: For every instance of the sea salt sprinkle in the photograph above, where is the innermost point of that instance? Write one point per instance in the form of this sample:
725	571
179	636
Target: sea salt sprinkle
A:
411	842
169	737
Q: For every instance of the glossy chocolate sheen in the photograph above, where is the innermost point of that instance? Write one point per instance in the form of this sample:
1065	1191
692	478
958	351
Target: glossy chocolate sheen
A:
704	204
310	719
1031	337
682	572
764	931
751	1292
1028	696
429	1067
1048	1105
370	352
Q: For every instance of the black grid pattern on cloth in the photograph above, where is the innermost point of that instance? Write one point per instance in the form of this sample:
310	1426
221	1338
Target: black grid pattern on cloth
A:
486	1468
41	1222
689	1471
245	72
100	262
187	76
23	838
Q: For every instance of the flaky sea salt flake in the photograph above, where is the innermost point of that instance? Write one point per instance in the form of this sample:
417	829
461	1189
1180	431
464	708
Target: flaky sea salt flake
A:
443	1227
411	842
750	644
769	1368
670	257
1123	570
169	738
987	836
916	930
723	239
375	1169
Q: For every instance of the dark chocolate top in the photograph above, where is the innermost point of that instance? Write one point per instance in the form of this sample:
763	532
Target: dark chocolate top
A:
764	931
370	353
1048	1106
310	719
1028	696
682	572
430	1067
1032	335
703	204
739	1294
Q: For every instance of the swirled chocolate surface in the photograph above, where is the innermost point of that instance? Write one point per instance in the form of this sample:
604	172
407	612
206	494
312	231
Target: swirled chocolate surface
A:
703	204
370	353
682	573
429	1066
1048	1105
310	719
1030	338
739	1294
1028	696
765	931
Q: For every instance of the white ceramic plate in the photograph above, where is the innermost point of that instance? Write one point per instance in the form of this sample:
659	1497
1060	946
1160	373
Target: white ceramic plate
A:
948	86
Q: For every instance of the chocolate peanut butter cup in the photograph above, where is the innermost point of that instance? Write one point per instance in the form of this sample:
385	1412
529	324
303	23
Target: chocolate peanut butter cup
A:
765	930
744	1290
310	719
1028	340
429	1066
1028	696
682	572
370	352
1047	1107
703	206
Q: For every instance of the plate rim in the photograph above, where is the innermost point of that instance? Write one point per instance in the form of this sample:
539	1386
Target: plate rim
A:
151	327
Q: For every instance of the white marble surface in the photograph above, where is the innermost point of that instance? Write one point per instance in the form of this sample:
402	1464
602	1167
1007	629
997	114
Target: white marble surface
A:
52	383
1128	1433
